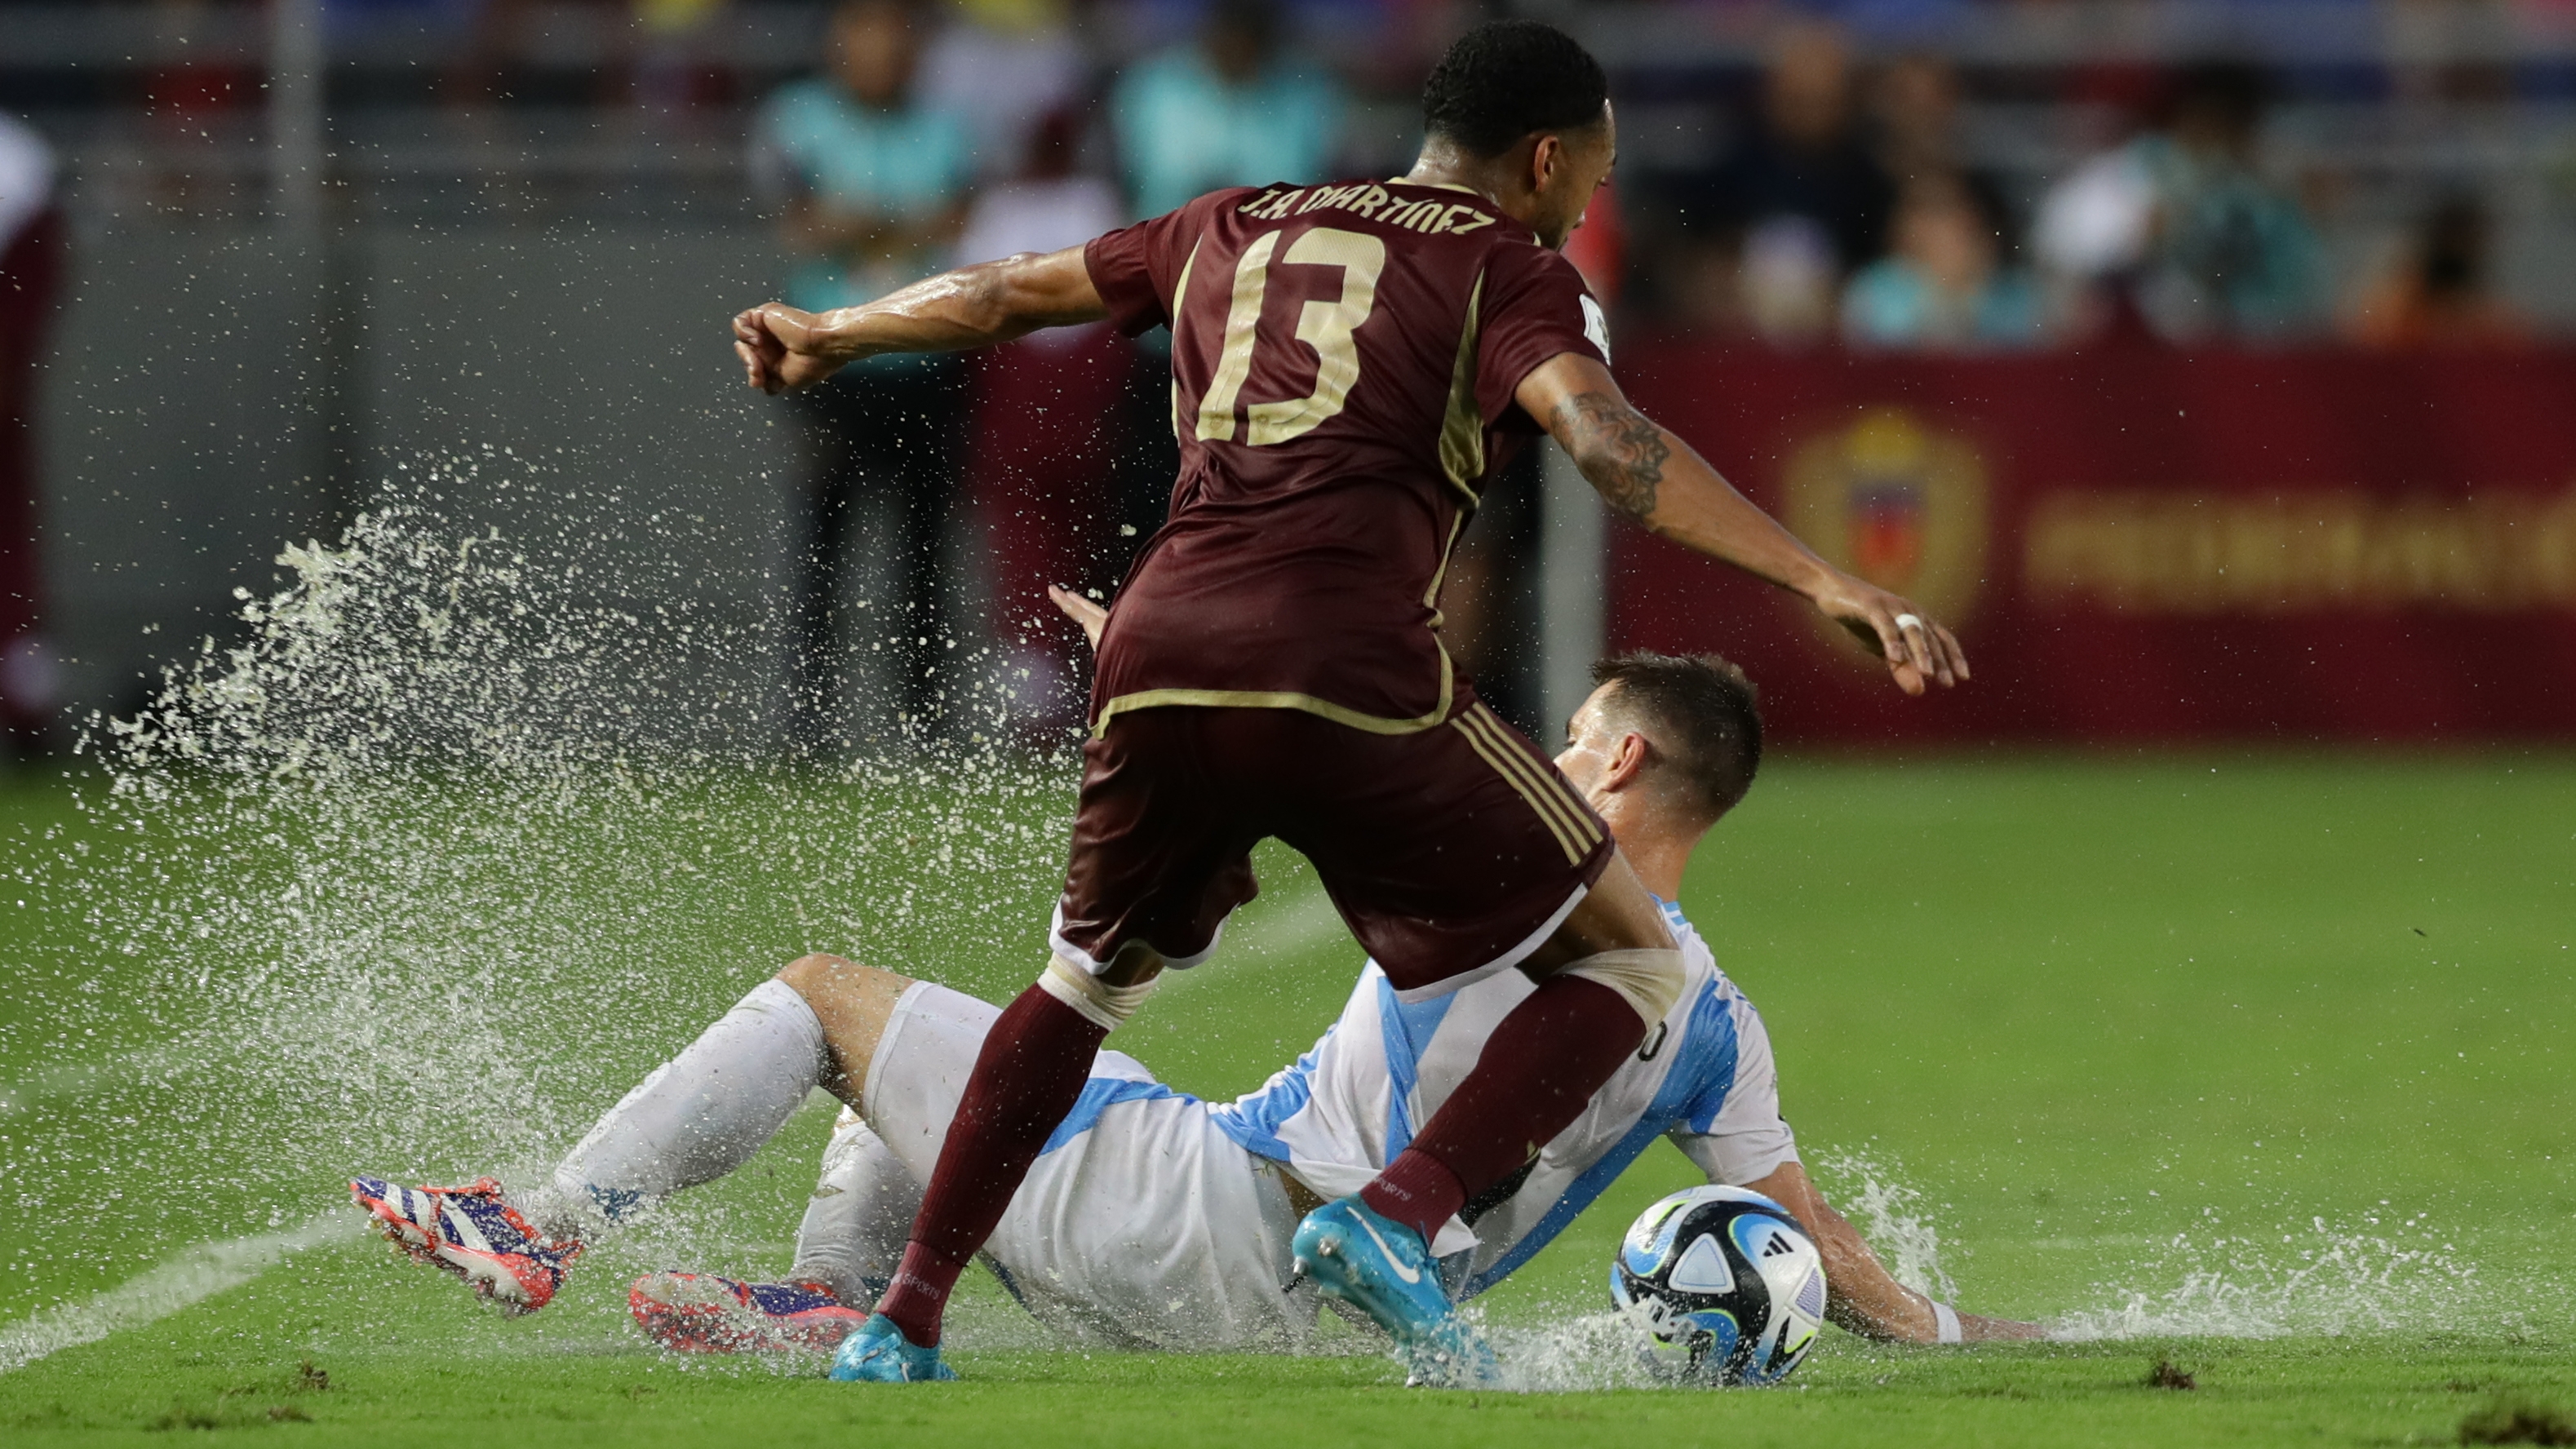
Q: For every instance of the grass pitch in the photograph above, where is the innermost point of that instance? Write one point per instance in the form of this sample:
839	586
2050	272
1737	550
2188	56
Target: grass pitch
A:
2256	1067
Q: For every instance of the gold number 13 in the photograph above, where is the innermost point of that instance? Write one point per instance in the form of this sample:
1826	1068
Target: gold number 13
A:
1325	326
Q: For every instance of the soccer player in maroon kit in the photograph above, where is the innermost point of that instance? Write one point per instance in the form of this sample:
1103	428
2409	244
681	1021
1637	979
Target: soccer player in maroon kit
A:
1350	363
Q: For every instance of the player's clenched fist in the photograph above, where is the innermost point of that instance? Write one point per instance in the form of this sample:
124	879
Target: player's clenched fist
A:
780	348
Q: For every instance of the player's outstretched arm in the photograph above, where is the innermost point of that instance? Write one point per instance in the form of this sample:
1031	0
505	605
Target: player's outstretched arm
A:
1861	1295
1644	471
783	348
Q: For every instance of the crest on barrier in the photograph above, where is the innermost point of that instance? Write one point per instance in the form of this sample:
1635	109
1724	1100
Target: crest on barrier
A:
1897	501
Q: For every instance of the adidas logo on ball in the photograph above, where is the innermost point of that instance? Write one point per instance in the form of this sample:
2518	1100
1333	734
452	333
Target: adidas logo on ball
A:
1725	1285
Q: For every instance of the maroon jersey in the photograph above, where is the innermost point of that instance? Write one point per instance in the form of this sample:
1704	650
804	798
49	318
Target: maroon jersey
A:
1343	364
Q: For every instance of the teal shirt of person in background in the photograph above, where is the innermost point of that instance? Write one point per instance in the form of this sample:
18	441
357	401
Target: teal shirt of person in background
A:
1892	303
2236	253
1232	110
909	164
2186	221
1944	283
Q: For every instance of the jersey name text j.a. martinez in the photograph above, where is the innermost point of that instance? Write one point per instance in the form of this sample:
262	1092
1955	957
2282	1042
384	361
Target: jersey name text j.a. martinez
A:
1372	202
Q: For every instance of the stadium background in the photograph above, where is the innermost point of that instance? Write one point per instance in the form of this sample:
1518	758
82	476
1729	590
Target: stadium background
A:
311	243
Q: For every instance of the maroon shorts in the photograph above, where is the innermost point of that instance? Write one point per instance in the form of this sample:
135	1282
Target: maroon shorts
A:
1451	852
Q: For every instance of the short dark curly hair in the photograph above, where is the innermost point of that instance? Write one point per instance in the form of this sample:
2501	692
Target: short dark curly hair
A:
1507	78
1699	711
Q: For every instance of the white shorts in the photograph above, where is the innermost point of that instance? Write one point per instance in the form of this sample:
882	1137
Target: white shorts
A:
1140	1225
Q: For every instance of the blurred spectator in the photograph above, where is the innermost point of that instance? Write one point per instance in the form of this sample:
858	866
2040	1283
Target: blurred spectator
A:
2439	292
1006	65
31	260
1048	207
1942	285
1800	199
1807	157
2181	224
1050	422
1915	102
1787	274
1235	109
873	186
872	177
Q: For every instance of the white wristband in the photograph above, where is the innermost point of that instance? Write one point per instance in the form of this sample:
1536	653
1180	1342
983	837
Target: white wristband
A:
1945	1322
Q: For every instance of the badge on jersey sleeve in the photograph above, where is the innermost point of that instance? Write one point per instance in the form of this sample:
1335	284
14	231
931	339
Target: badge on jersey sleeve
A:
1596	326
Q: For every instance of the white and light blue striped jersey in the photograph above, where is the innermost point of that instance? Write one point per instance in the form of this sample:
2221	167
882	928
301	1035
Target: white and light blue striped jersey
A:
1703	1077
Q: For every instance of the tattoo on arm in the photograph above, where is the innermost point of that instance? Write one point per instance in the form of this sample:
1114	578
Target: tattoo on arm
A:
1618	449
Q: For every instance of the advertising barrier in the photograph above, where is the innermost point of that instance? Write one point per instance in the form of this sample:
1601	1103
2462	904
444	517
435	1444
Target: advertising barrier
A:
2140	544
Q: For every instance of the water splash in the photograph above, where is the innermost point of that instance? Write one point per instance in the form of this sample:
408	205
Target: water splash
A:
1871	1191
2322	1279
464	835
1579	1354
2316	1278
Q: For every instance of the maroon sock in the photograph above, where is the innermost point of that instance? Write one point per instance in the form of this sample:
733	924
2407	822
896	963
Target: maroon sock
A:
1417	1190
1538	1072
918	1295
1026	1079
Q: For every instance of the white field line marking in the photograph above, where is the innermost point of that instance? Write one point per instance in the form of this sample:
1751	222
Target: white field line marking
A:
189	1276
81	1079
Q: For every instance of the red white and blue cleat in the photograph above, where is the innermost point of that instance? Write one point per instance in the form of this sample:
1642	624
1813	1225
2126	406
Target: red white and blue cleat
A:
472	1232
702	1313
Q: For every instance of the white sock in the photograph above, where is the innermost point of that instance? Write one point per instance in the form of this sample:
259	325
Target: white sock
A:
697	1117
862	1212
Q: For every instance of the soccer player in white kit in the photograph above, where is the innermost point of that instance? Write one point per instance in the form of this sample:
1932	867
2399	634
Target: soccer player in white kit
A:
1155	1220
1152	1219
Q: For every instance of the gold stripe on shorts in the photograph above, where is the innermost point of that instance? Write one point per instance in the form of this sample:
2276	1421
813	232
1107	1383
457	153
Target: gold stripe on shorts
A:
1551	785
1564	841
1547	796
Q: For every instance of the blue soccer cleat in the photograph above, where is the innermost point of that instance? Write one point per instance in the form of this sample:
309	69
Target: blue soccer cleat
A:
878	1353
1383	1268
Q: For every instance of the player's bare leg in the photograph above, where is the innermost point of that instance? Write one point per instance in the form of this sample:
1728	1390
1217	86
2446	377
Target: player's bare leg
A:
854	1003
1617	915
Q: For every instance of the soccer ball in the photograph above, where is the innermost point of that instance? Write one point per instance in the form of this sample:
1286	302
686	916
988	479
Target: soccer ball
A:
1727	1286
